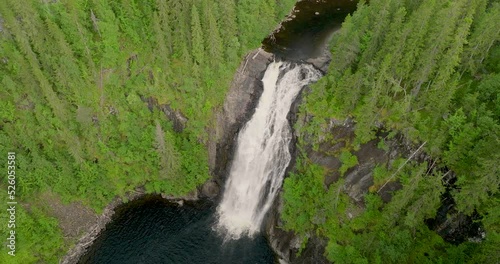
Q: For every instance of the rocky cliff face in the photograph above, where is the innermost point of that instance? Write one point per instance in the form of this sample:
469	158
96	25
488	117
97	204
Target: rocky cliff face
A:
452	226
238	108
286	244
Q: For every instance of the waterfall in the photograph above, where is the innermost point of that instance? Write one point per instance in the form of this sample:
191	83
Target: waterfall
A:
262	153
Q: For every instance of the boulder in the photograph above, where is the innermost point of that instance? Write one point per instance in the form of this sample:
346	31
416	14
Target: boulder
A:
321	62
210	189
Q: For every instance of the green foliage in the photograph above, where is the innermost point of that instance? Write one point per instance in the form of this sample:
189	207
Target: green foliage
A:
303	195
196	37
348	161
380	174
37	235
429	71
473	142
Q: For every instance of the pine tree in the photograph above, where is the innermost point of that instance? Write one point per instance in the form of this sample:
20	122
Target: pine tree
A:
166	31
197	50
228	28
484	36
213	42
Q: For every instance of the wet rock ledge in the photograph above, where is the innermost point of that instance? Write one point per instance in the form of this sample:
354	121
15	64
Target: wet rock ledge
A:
239	106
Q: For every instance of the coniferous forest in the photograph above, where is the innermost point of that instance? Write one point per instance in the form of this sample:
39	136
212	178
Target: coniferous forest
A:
83	84
428	71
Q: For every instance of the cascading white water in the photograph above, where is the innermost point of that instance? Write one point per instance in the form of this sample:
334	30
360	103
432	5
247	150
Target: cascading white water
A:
262	153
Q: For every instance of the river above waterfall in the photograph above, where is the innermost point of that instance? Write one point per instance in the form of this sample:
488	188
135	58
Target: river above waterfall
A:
153	230
307	29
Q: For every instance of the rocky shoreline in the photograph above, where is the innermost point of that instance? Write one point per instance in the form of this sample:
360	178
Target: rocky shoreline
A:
93	232
206	191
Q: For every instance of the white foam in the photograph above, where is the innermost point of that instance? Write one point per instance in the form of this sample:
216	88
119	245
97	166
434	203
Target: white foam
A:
262	153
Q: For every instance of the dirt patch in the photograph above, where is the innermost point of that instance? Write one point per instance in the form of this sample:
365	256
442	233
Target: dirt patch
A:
74	218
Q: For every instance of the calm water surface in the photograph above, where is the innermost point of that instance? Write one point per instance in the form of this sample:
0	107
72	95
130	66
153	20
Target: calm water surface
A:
152	230
308	28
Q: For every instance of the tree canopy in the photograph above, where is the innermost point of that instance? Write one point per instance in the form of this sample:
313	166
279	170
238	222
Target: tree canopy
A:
428	70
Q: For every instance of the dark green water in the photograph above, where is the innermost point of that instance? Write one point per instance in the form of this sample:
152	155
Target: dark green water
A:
305	33
151	230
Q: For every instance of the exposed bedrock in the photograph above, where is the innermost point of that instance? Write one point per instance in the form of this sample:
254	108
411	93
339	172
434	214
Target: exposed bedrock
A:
357	181
238	107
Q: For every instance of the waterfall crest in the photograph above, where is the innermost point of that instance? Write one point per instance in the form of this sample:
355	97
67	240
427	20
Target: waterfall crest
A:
262	153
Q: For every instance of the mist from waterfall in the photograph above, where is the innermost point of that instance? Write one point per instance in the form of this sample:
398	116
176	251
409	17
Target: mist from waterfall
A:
262	151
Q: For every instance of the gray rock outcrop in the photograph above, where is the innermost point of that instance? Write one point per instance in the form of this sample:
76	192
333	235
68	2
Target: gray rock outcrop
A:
93	232
210	189
176	117
239	106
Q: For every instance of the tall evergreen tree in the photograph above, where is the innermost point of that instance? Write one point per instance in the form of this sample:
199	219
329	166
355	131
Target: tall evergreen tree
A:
197	48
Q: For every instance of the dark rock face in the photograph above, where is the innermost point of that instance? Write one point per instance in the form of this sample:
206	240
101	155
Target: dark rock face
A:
453	226
286	244
210	189
313	253
386	191
238	108
176	117
192	196
321	62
